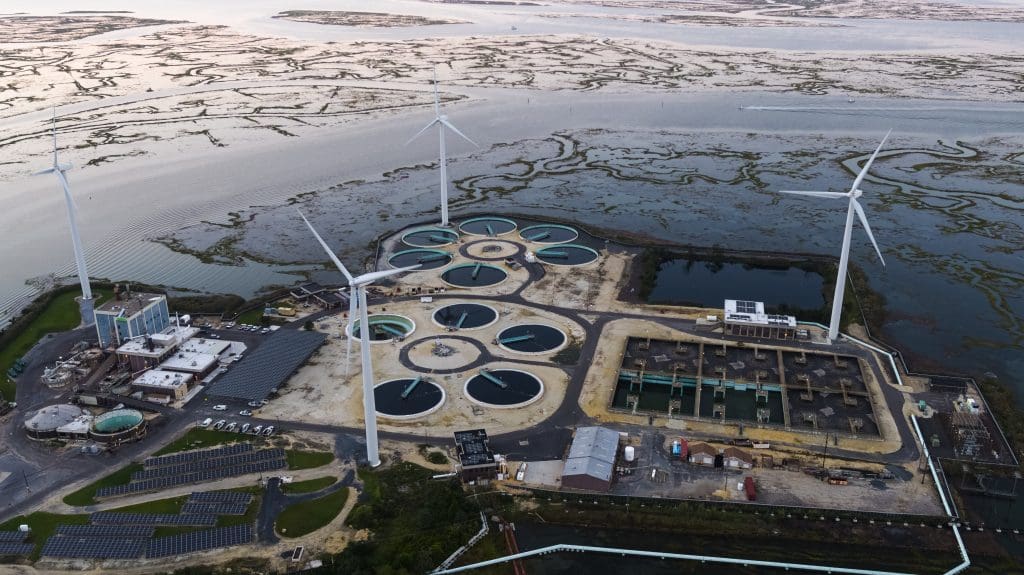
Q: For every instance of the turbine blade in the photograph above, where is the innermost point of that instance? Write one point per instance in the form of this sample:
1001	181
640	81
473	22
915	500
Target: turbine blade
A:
374	276
353	308
456	130
437	98
815	194
867	228
67	190
425	128
53	127
46	171
867	166
327	248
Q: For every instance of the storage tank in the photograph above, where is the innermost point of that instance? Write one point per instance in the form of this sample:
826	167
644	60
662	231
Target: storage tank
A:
629	453
43	424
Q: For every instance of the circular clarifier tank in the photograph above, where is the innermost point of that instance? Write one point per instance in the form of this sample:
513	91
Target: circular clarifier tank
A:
427	259
474	275
117	420
430	237
465	316
487	226
386	327
531	338
549	234
407	398
504	388
566	255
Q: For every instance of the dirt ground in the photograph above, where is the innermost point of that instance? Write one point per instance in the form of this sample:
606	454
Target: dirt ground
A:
321	391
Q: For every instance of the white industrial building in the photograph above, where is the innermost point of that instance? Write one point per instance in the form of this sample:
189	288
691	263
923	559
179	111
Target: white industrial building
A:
748	318
162	385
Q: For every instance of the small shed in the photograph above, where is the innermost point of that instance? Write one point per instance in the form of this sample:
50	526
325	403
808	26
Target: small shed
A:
702	454
736	458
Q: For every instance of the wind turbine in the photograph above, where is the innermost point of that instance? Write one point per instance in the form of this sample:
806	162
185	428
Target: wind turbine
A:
441	121
357	303
854	206
85	305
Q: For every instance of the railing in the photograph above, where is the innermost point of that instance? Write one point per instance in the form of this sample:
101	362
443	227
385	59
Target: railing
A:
484	528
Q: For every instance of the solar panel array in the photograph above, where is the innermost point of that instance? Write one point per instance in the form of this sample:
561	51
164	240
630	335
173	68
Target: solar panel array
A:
13	536
200	541
187	478
197	455
215	508
15	548
220	497
198	466
118	518
269	365
121	531
201	465
746	306
93	548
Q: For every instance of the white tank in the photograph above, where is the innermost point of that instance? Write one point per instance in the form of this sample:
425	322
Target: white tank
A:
630	453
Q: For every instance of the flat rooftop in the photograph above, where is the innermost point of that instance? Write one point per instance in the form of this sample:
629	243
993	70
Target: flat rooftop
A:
208	346
131	305
162	378
189	361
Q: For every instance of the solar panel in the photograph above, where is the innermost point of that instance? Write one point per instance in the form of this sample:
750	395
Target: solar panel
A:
258	461
113	531
220	497
14	548
13	536
200	541
197	455
746	306
269	366
163	519
203	464
92	548
215	508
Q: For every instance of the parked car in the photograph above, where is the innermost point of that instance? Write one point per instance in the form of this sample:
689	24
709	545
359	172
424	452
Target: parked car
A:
245	413
245	428
256	430
268	431
220	424
231	426
220	407
255	403
206	422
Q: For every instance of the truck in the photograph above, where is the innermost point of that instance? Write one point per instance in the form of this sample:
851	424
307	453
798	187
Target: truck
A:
750	488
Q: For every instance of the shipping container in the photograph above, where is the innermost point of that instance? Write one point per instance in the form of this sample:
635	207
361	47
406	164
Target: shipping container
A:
748	486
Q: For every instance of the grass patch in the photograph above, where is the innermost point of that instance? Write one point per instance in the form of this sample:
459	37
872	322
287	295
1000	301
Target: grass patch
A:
87	494
43	525
251	317
308	516
310	485
60	314
170	505
200	438
415	522
308	459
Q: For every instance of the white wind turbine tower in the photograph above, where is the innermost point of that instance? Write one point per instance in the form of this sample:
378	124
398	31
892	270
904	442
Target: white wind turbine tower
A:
844	257
85	304
441	121
357	303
